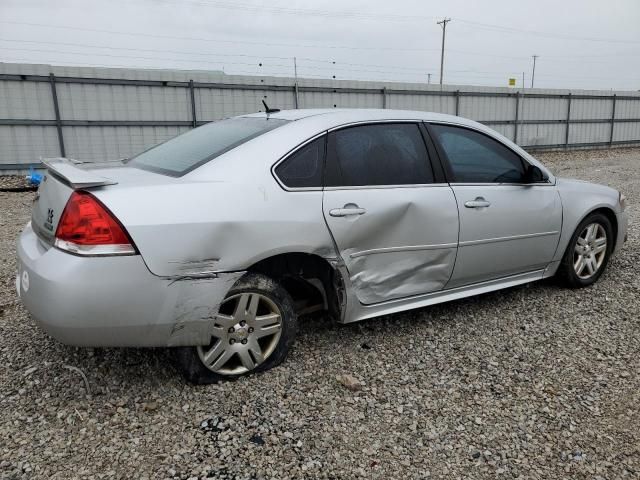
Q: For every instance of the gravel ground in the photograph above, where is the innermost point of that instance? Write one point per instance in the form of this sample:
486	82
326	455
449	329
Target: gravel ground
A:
531	382
14	183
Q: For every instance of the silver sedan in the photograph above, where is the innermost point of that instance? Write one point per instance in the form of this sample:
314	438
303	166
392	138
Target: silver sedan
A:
217	240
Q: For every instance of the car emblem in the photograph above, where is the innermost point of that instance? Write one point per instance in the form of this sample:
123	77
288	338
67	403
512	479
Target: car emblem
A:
25	281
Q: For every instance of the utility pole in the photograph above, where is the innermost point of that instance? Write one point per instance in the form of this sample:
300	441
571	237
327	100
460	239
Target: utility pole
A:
428	79
533	73
443	24
295	85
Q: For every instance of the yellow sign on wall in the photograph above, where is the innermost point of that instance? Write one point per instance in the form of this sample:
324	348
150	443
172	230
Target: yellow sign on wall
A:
512	82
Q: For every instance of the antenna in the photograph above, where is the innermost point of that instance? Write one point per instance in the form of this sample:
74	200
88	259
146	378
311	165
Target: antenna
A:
269	110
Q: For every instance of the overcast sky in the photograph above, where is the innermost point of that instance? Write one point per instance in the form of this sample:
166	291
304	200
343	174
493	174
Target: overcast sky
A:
580	43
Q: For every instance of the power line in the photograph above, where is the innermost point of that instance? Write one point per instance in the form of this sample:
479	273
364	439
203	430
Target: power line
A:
463	77
418	74
386	17
296	11
208	54
244	42
90	54
334	66
381	16
503	29
217	40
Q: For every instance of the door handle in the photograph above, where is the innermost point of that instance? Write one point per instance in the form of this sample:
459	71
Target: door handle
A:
479	202
348	209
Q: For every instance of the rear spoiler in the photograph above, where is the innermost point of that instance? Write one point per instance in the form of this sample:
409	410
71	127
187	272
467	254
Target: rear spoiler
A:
76	177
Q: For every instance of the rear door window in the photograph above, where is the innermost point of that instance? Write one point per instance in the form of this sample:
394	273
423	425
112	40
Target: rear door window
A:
377	154
188	151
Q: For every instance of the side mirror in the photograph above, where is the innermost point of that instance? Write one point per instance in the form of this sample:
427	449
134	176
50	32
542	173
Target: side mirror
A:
534	175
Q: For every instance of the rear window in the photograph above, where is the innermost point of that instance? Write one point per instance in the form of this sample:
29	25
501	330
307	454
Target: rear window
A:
185	152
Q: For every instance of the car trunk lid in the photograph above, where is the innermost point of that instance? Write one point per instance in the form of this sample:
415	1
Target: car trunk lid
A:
62	178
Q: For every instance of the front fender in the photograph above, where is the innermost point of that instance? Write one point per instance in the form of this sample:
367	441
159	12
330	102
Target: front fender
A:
579	199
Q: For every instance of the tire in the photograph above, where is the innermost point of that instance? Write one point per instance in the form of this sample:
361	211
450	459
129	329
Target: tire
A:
238	349
569	267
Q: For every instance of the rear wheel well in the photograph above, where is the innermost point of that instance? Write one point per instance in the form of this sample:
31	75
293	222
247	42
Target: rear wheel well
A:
310	280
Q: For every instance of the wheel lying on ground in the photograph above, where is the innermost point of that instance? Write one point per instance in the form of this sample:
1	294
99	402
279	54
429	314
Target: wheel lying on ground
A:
253	332
588	252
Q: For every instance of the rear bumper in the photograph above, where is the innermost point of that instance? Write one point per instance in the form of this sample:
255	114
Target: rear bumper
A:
114	301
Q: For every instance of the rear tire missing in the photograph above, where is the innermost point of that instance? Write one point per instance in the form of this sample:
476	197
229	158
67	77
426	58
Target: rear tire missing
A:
240	345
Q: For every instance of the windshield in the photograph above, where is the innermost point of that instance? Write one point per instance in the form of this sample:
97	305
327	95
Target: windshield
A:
185	152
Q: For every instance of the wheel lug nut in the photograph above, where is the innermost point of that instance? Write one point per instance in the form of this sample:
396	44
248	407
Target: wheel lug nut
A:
250	329
231	329
244	342
243	323
232	341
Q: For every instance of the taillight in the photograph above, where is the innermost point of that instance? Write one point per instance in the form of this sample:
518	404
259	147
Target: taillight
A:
87	227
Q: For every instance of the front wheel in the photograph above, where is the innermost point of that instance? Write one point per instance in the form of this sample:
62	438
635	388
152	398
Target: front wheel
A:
588	252
252	332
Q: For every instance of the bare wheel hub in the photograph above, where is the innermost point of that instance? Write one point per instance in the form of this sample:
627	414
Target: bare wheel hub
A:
244	334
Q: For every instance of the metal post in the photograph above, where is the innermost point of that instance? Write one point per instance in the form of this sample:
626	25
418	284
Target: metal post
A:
613	119
533	73
56	110
295	85
515	121
457	102
566	133
384	97
194	120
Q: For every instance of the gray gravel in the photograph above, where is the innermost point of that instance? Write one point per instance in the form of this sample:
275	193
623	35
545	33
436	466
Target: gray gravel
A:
532	382
15	183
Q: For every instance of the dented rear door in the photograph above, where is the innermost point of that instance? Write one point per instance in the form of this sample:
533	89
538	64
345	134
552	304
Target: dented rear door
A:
395	226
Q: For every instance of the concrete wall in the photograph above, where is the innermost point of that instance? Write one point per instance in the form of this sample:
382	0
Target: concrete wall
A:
106	113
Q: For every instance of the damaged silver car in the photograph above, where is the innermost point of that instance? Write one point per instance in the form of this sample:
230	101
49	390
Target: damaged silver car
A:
217	240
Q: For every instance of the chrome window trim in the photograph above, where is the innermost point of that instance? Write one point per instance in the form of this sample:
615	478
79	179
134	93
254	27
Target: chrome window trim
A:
293	151
373	122
380	187
507	184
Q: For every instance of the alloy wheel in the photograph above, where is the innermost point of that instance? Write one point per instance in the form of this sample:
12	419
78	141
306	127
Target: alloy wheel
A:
590	251
244	334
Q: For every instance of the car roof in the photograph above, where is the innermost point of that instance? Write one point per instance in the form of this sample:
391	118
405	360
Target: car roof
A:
342	115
